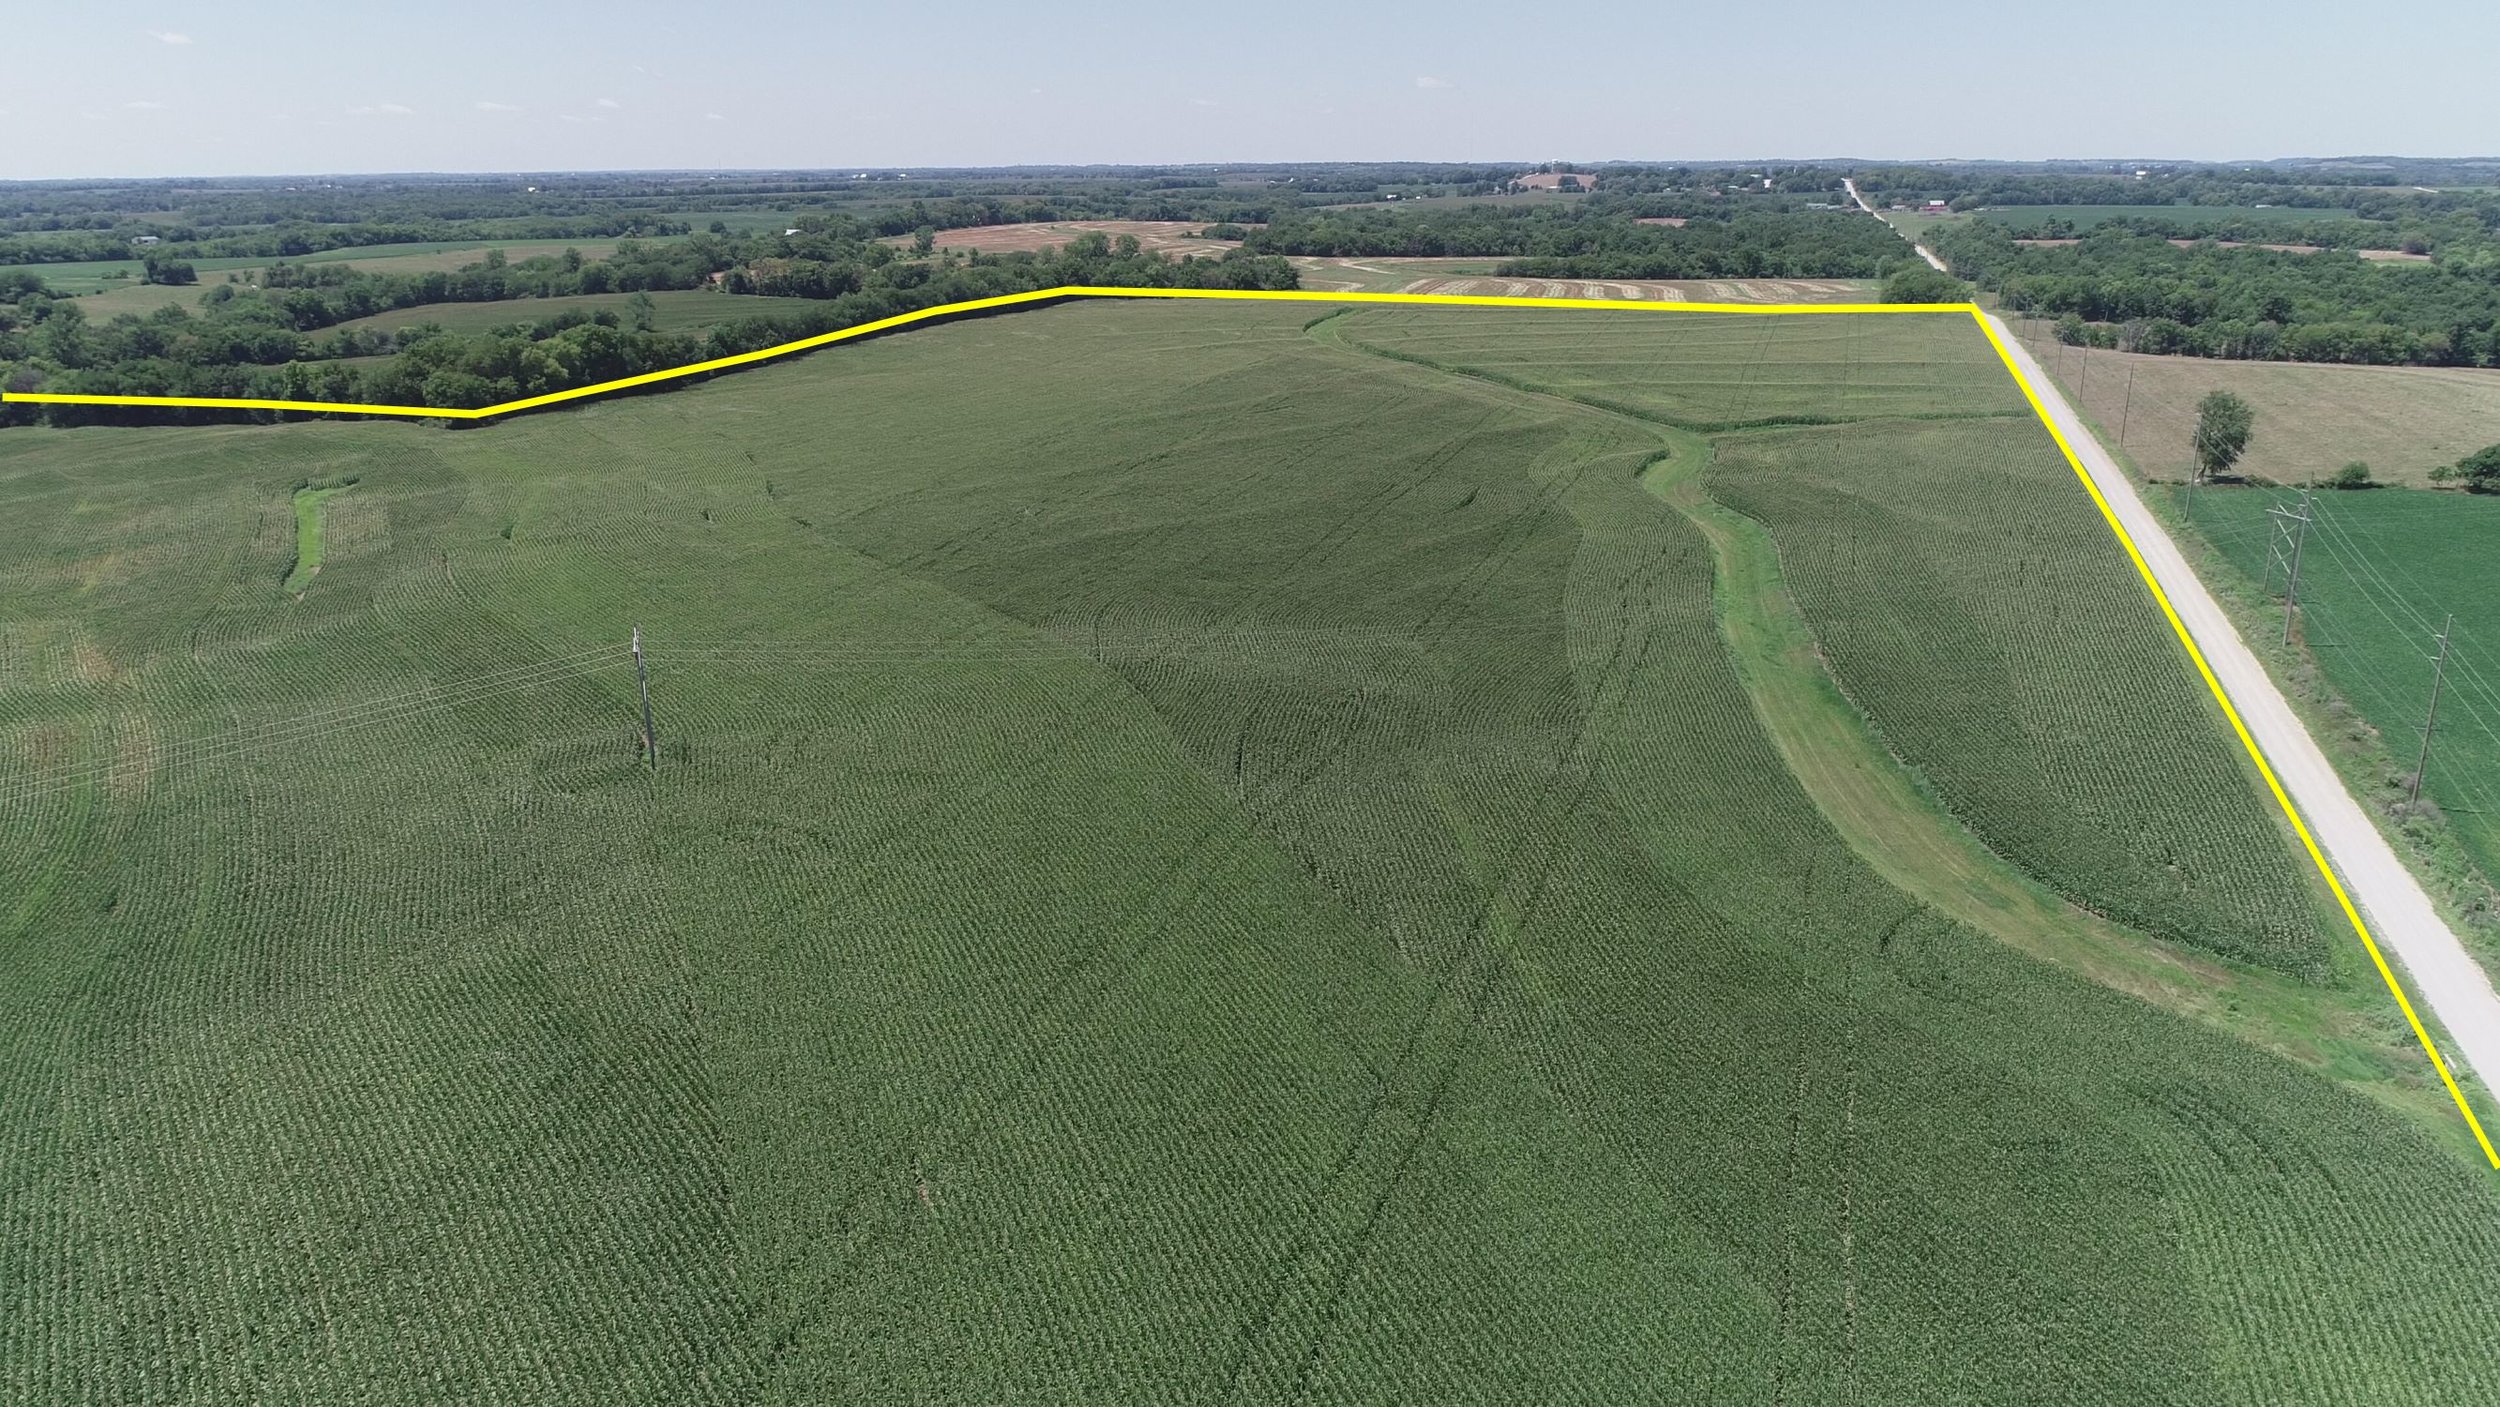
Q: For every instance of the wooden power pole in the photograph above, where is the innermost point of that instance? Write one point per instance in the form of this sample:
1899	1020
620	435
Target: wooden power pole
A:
642	680
2439	676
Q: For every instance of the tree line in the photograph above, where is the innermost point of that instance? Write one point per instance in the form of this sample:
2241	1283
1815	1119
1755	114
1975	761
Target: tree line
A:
255	342
2139	292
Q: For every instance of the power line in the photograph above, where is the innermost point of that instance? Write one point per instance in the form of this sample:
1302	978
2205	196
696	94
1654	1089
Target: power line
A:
2430	721
2300	537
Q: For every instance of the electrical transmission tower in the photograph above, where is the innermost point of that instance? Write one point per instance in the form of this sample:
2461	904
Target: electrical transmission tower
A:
2439	676
2292	525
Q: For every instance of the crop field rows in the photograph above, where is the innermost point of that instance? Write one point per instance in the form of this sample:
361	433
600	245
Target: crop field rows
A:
2380	576
1715	372
1229	862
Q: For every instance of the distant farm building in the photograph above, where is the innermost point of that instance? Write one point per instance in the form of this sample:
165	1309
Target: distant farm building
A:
143	239
1554	181
1933	207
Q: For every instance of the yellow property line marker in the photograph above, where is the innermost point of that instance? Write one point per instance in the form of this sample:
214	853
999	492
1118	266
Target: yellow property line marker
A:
1006	300
1442	300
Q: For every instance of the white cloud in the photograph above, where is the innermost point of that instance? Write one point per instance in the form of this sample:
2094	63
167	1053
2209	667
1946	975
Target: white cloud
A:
487	105
382	110
1203	102
610	102
714	117
167	36
1422	82
143	105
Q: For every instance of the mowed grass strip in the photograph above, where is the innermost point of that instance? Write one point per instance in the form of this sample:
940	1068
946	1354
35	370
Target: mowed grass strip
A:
1971	601
1218	867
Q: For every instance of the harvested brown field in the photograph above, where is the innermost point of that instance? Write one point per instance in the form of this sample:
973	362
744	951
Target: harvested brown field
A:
1671	221
1475	277
1652	290
1173	237
2392	256
2312	419
2244	244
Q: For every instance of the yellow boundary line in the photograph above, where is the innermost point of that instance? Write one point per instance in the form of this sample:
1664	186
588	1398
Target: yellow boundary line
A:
2109	515
1007	300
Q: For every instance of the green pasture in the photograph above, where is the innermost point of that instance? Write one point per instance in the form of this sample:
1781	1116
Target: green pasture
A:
2380	574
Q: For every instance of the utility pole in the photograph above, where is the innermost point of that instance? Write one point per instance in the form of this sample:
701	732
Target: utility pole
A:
2300	539
642	679
2439	676
2126	409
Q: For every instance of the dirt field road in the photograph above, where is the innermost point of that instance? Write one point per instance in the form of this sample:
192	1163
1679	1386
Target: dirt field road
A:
1923	251
2450	982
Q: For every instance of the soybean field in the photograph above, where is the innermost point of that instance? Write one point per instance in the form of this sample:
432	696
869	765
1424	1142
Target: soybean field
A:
2381	575
1193	854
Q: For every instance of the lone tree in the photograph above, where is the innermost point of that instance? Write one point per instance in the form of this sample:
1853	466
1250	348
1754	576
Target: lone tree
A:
2223	421
2355	475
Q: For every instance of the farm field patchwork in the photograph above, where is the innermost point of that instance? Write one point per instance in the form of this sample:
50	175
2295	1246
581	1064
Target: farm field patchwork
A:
1235	861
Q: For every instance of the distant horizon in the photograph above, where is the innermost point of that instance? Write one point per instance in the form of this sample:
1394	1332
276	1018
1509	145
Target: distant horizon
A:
907	170
180	88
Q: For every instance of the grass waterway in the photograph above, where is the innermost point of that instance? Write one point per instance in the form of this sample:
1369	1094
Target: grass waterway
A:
308	501
1890	816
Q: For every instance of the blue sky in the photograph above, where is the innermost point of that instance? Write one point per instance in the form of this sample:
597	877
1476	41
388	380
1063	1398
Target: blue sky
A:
277	86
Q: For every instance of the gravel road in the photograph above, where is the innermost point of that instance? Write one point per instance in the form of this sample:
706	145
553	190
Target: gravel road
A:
2450	982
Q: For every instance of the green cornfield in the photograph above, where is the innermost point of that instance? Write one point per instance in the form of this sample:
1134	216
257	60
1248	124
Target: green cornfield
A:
1194	855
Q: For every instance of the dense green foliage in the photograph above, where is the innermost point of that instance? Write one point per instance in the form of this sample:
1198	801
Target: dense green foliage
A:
1145	898
1914	282
2206	300
2224	422
2478	472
